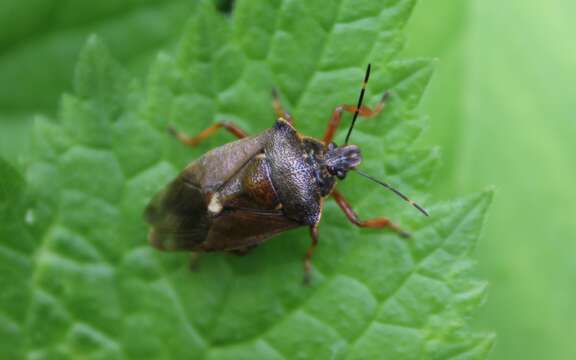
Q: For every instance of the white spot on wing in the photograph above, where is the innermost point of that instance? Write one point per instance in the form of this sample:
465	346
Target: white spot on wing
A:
215	205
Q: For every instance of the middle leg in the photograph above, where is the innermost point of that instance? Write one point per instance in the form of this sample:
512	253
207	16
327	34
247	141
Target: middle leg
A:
280	112
310	253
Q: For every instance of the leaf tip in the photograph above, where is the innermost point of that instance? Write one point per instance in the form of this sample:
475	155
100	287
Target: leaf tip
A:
97	74
489	192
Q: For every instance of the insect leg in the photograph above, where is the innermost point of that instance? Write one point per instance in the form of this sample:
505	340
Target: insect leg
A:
194	261
364	111
243	251
278	107
372	223
194	140
309	253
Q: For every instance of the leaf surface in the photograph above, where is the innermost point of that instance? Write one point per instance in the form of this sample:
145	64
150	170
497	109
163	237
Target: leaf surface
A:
99	291
41	39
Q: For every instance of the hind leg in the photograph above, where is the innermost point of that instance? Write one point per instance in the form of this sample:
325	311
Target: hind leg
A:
195	140
243	251
193	263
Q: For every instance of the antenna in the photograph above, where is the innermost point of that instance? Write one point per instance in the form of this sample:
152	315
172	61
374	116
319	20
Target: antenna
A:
359	104
389	187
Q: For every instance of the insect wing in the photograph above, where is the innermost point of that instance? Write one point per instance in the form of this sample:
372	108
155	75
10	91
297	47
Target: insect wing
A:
178	213
217	166
240	228
178	217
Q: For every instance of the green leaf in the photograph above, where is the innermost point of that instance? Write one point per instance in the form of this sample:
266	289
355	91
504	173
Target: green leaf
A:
40	41
16	258
99	290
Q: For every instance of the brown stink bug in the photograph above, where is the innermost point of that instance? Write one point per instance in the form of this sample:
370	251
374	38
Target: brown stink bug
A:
240	194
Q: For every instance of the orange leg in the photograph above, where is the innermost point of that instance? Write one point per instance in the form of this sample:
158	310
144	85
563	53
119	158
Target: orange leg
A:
364	112
194	140
310	253
278	107
376	223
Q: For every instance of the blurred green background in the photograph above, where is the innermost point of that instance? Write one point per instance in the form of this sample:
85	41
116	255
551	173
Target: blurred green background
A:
501	107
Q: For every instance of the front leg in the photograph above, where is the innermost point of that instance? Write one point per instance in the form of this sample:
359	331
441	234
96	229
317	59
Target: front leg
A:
376	223
364	111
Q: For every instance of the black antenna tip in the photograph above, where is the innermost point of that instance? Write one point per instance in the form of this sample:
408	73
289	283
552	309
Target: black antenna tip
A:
367	72
395	191
422	210
359	106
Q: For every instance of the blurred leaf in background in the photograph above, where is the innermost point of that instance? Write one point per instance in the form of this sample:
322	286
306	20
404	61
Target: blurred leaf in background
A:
503	110
90	285
40	41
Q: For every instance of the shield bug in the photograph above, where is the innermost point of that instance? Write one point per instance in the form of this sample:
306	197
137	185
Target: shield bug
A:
240	194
